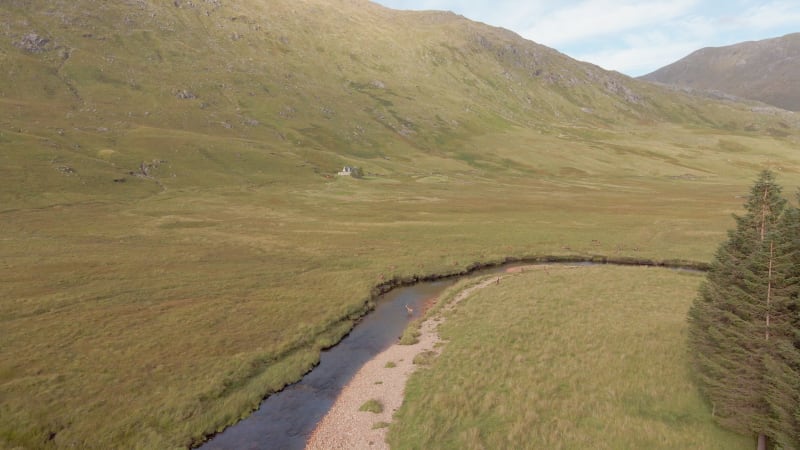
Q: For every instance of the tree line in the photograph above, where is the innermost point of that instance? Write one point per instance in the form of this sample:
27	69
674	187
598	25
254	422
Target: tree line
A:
744	325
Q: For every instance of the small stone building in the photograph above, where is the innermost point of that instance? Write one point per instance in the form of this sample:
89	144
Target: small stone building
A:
350	171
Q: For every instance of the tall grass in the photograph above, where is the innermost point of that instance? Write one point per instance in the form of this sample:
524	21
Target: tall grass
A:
133	303
590	357
151	311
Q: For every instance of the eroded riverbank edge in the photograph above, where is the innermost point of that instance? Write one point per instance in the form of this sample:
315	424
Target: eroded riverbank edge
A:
340	328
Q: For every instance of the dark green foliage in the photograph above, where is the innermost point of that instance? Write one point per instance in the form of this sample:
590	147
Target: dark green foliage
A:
782	364
743	326
356	172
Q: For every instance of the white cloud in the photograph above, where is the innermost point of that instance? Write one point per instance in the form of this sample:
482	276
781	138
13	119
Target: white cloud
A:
770	15
639	60
593	18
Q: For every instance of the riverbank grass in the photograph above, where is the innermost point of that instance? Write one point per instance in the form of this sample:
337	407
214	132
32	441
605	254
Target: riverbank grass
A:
411	333
373	406
584	357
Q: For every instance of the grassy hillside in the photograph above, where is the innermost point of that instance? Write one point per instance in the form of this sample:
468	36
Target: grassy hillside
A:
175	244
767	70
260	92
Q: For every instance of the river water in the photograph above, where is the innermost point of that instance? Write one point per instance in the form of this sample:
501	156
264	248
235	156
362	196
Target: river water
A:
286	419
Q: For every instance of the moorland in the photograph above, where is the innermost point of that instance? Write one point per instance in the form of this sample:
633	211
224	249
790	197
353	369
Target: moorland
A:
176	243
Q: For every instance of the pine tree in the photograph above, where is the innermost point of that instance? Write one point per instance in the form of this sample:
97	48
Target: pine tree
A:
782	365
731	319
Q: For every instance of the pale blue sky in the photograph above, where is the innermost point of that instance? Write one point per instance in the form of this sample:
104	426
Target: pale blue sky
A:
631	36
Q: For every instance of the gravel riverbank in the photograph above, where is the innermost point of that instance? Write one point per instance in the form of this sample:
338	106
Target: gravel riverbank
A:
383	379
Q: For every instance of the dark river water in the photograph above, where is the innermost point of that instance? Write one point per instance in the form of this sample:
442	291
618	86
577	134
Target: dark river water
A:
285	420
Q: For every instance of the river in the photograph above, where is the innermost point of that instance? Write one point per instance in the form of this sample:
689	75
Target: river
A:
285	420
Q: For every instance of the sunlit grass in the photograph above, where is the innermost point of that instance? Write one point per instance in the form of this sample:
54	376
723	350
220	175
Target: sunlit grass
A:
372	405
152	311
189	326
424	358
411	334
589	357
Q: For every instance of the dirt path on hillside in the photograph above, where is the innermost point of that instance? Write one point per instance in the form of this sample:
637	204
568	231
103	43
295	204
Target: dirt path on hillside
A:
345	427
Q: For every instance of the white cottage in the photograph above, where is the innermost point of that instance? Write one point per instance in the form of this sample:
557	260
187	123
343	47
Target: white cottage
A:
350	171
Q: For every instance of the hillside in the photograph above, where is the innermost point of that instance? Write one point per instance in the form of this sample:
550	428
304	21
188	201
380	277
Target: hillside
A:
176	244
767	71
292	82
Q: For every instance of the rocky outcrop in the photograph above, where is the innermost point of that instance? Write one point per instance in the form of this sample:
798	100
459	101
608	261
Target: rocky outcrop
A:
33	43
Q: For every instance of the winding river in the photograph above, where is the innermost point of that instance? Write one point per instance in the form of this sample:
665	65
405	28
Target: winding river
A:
286	419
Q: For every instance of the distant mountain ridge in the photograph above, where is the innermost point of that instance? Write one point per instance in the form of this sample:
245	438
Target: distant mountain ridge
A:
766	70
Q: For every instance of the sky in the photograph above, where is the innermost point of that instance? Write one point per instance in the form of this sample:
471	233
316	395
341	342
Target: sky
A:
634	37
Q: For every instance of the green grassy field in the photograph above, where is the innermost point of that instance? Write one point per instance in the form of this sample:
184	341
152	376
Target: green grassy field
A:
140	317
568	358
148	324
146	310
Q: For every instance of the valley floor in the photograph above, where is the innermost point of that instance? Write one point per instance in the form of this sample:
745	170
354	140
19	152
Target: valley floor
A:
153	322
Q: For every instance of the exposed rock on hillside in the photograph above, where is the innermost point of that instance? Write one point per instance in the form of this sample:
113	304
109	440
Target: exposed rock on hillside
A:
183	94
33	43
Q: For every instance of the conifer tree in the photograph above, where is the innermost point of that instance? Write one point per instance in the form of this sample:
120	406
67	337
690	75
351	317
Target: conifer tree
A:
731	319
782	364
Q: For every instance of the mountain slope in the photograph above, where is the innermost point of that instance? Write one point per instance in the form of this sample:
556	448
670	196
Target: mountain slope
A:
176	244
767	70
326	82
